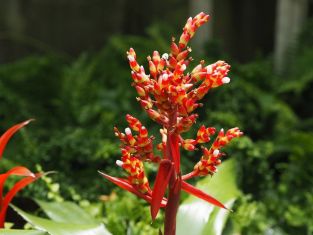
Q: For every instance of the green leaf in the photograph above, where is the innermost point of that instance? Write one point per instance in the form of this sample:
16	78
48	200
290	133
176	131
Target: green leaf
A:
66	212
201	218
21	232
63	228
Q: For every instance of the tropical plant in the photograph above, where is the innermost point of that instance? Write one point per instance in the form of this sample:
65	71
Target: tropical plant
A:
169	96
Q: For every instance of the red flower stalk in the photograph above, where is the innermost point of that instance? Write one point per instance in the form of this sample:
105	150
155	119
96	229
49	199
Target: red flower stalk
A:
29	177
169	95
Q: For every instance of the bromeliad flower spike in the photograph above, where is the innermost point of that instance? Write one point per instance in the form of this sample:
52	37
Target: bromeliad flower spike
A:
170	95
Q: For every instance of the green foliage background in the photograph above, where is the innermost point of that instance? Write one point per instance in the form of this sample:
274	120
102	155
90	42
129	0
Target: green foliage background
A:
77	102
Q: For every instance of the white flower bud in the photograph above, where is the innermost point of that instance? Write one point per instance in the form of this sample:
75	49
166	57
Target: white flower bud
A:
128	131
209	69
225	80
119	163
216	152
165	76
131	58
165	56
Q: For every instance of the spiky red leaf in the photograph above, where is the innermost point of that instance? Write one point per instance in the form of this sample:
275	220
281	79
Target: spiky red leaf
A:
18	170
14	190
9	133
174	148
200	194
161	182
124	184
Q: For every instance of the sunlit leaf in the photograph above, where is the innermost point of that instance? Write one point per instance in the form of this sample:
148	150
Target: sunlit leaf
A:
66	212
21	232
63	228
201	218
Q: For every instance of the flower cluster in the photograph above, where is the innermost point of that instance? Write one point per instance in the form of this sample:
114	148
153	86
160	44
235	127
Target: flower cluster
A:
211	157
170	94
168	88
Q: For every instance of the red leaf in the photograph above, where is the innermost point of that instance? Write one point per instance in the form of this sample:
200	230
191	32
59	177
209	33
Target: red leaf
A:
122	183
200	194
175	151
16	188
160	185
8	134
18	170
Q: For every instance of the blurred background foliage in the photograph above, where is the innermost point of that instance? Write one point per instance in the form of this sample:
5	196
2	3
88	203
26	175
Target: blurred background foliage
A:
77	101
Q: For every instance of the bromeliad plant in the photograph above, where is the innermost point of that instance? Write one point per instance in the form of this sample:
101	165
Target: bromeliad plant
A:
29	176
169	95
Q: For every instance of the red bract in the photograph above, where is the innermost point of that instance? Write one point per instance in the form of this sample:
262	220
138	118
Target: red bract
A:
170	95
29	177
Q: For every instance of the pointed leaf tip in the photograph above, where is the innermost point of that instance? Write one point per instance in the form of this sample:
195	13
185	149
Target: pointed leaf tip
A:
4	139
13	191
200	194
19	171
124	184
161	182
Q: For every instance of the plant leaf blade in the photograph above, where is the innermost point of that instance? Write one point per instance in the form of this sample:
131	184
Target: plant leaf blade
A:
14	190
127	186
21	232
4	139
67	212
161	182
60	228
200	194
202	218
